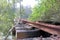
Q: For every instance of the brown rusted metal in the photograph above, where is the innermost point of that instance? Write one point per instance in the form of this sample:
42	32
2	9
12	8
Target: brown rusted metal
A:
53	29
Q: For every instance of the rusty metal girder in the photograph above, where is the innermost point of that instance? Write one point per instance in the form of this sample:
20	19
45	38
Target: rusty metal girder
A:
53	29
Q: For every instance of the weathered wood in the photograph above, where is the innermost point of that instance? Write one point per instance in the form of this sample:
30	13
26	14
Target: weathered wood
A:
27	33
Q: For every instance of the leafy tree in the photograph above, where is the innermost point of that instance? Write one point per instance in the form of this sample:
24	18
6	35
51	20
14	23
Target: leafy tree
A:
6	16
8	12
46	10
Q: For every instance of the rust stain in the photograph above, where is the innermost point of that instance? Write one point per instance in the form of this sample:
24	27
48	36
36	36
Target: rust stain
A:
53	29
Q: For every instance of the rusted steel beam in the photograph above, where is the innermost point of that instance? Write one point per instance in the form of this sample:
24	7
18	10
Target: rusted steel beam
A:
53	29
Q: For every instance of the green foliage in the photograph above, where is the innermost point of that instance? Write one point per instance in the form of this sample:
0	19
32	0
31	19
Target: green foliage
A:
46	10
6	16
8	12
